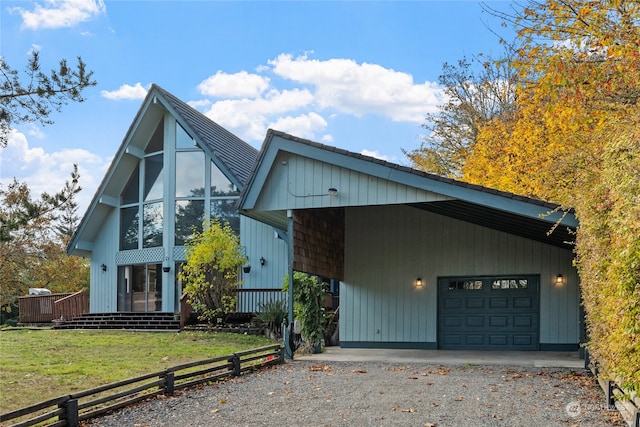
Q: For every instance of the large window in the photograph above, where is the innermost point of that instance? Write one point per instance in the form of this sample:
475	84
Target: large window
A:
152	225
190	174
153	177
129	220
189	218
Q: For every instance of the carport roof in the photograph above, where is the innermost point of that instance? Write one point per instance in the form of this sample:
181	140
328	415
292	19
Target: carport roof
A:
512	213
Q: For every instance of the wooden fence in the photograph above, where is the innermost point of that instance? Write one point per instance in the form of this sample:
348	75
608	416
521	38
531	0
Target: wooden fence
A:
615	395
47	308
71	409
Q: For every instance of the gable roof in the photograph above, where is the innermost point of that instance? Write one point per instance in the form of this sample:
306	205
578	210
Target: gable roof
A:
508	212
232	156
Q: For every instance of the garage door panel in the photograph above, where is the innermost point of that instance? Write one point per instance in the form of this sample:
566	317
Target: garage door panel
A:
474	303
490	313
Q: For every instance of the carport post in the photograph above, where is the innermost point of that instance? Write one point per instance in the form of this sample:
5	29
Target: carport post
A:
288	348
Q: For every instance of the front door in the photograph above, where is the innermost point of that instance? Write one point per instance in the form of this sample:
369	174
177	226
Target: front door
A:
141	288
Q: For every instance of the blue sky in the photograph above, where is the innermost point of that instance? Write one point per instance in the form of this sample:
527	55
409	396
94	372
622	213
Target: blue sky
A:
357	75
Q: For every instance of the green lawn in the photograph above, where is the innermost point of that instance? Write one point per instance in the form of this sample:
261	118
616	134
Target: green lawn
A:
36	365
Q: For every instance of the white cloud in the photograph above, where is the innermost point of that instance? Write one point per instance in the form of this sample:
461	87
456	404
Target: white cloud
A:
303	126
125	91
360	89
247	118
44	171
238	85
60	13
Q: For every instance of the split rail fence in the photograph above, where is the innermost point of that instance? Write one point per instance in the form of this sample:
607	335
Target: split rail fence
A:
70	410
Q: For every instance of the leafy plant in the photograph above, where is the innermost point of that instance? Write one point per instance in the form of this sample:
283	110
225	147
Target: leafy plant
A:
210	274
308	294
270	318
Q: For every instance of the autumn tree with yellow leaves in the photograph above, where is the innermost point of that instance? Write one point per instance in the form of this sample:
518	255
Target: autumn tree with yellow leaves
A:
573	137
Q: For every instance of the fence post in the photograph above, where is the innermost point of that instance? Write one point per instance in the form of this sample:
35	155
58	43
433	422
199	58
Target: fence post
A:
235	359
609	395
169	382
71	412
636	421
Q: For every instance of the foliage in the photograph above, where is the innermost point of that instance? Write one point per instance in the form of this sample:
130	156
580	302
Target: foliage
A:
214	257
308	294
33	97
270	318
477	91
36	365
32	254
608	256
573	139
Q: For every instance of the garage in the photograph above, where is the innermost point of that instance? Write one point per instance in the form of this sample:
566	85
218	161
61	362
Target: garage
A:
488	313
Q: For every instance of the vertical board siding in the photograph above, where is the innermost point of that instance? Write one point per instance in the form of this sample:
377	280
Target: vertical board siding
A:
388	247
103	297
297	182
261	240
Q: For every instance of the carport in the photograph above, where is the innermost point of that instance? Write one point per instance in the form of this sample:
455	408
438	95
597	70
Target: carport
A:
424	262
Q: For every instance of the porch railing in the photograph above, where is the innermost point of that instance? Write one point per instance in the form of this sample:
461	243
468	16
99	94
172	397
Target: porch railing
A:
71	306
38	308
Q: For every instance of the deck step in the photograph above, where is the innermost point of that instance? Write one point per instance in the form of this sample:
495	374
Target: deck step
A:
122	320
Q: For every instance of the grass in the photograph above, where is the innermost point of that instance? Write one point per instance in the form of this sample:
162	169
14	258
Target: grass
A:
36	365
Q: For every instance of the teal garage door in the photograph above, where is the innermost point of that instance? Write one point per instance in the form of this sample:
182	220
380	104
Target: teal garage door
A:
488	313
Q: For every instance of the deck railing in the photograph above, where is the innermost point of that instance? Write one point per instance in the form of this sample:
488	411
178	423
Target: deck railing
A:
38	308
47	308
71	306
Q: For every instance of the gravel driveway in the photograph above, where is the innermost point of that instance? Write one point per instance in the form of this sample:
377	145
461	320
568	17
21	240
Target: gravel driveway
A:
305	393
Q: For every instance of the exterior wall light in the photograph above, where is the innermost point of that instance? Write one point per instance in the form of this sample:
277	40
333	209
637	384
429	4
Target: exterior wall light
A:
559	280
103	267
419	283
262	261
166	269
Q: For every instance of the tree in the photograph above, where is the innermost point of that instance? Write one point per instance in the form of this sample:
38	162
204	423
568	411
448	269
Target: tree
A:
31	254
214	257
574	139
35	96
478	91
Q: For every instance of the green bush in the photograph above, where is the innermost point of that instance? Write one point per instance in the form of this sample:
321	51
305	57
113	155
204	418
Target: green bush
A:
308	294
270	318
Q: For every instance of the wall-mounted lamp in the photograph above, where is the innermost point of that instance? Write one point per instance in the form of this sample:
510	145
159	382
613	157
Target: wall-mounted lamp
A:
246	269
262	261
419	283
103	267
166	269
559	280
332	191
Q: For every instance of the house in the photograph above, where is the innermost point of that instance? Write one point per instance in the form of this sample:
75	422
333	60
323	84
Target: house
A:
174	168
422	261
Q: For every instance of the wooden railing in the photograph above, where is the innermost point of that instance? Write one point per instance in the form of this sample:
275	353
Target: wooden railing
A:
71	409
250	300
38	308
71	306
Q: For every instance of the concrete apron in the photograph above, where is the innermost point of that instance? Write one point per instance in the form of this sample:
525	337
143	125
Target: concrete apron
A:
538	359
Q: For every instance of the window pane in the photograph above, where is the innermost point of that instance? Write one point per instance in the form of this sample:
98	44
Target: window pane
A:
190	174
189	217
183	140
464	284
156	142
153	178
132	190
129	228
152	225
220	185
225	211
510	284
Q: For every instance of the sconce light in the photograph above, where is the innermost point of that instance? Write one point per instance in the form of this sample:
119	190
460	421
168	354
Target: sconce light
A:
262	261
246	269
419	283
559	280
166	269
332	191
103	267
